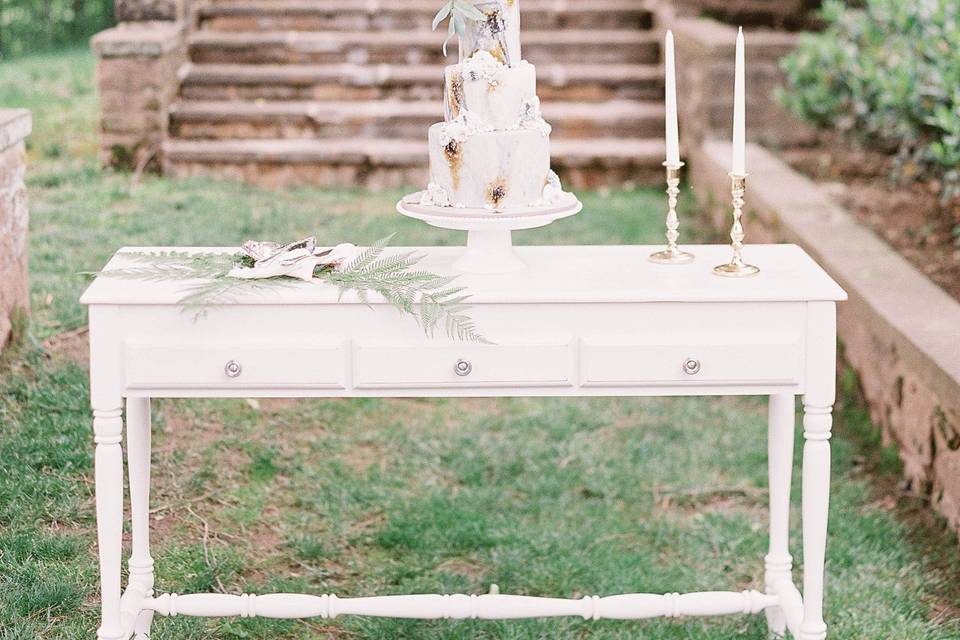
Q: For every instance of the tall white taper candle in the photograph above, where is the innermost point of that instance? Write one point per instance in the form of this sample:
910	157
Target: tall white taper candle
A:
673	134
739	114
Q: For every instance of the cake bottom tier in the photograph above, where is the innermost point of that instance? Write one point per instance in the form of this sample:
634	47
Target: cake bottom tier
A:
493	169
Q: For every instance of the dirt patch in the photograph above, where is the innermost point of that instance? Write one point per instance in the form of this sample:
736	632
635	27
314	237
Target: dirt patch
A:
907	213
463	567
273	405
362	456
711	500
267	537
181	427
70	346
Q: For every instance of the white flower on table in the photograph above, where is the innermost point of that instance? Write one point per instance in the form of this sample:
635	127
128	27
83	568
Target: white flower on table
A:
341	255
296	260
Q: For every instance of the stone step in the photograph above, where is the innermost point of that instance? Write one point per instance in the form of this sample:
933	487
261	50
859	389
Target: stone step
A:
378	163
351	15
350	82
392	119
414	47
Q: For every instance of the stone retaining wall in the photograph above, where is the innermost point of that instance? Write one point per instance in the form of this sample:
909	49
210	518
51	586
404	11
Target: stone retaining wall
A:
145	10
15	126
900	331
137	79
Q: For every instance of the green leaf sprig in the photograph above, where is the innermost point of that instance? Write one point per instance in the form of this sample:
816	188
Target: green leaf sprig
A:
459	12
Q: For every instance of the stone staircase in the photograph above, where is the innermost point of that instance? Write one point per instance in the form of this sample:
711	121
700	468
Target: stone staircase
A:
341	92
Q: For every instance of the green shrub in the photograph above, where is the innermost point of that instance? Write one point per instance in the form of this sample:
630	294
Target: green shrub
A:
889	74
30	26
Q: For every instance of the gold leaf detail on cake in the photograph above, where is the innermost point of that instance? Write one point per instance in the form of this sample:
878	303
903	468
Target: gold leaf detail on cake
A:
455	97
497	191
454	153
495	22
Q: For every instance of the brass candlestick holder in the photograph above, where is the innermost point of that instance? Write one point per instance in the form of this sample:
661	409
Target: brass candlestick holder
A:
737	268
672	255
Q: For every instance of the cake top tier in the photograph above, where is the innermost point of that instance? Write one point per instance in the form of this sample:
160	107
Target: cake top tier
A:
498	33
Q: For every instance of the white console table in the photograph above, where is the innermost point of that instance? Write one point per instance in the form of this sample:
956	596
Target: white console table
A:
579	321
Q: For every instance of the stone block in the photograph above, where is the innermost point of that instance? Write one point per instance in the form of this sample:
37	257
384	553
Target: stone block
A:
15	126
147	99
143	122
138	39
144	10
946	467
137	79
13	205
130	75
11	164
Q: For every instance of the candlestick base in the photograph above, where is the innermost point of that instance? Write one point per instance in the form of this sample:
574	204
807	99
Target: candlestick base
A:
672	255
736	270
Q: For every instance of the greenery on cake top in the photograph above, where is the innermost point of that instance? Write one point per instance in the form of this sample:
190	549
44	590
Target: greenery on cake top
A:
459	12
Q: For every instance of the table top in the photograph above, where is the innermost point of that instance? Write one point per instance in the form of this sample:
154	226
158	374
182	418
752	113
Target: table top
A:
555	274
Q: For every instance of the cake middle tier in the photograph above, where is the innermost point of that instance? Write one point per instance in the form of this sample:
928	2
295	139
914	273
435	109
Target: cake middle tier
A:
491	169
494	94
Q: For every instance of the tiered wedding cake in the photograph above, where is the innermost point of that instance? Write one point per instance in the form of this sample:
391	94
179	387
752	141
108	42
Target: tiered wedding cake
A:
492	151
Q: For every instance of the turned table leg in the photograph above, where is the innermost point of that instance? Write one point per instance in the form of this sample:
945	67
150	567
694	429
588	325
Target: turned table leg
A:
778	562
818	402
108	482
138	466
817	422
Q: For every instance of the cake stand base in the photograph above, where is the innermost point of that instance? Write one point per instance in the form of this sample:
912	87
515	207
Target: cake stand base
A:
489	233
489	252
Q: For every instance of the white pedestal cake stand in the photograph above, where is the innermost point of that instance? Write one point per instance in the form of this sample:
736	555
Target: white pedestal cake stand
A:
489	241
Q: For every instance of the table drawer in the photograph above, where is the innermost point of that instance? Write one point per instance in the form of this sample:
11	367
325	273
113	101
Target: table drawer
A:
268	364
500	365
696	359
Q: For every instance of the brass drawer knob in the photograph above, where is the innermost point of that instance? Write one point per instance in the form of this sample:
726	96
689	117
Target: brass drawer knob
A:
232	369
463	367
691	366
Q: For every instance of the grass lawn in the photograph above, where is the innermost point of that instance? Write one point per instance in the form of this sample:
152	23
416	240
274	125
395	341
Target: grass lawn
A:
541	496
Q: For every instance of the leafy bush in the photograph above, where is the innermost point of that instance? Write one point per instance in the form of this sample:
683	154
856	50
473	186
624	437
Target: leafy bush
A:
28	26
889	74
